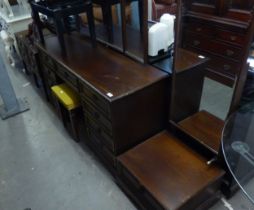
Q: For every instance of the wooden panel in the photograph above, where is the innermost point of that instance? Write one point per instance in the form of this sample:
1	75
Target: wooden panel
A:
170	171
205	128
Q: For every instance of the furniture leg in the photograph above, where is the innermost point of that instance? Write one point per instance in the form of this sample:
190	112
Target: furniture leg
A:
91	25
59	31
39	25
107	19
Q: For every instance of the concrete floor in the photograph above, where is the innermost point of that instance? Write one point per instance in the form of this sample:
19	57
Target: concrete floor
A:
42	168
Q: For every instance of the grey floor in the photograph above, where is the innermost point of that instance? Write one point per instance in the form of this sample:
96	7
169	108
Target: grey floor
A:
43	169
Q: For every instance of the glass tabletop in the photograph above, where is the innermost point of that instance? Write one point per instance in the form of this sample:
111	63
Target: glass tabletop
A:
238	148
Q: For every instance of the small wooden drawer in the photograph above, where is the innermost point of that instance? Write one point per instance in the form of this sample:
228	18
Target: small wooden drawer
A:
96	99
67	76
199	28
47	60
97	115
224	66
99	131
233	38
212	46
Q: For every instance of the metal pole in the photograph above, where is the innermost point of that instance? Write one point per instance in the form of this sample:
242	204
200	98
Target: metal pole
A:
12	105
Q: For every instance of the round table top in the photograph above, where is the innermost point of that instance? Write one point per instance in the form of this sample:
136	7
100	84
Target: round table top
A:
238	149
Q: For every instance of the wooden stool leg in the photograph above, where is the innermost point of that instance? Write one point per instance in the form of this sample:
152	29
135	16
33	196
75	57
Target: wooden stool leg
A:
91	25
74	125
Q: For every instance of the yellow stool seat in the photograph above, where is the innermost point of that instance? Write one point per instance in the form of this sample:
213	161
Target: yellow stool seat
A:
68	97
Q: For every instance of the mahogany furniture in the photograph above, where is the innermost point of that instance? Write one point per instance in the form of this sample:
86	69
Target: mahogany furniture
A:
59	14
221	30
123	102
144	124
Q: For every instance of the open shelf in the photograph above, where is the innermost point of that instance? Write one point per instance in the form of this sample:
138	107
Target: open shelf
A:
205	128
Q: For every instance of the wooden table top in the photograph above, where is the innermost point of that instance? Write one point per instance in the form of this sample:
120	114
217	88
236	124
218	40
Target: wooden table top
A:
106	70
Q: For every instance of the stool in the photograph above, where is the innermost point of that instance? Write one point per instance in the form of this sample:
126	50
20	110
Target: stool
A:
59	13
68	107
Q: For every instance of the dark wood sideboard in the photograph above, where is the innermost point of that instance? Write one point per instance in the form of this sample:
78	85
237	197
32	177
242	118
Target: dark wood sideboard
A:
123	102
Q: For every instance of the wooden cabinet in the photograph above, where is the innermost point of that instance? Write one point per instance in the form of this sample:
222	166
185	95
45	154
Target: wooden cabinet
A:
221	30
123	102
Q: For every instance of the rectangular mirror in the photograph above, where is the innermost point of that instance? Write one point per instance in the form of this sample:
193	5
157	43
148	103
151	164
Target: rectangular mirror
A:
161	32
108	22
135	26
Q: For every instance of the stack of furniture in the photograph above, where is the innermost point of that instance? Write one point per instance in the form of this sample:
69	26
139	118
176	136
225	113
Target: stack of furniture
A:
144	124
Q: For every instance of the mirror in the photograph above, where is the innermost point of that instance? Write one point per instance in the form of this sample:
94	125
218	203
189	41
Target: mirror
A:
161	28
108	22
135	28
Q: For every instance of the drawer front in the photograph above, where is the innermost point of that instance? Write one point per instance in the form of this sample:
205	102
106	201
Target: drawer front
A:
97	116
93	140
199	28
99	131
47	60
224	66
96	99
219	34
212	46
233	38
67	76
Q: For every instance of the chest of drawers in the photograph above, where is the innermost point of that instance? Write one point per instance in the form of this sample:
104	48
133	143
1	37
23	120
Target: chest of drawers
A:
223	42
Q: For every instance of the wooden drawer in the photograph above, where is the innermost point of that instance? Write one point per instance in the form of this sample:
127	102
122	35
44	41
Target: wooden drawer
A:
224	66
93	140
212	46
233	38
99	131
47	60
200	28
96	99
216	33
97	115
67	76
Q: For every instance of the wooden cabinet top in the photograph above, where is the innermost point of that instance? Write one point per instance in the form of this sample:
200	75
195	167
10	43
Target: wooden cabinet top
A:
109	72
